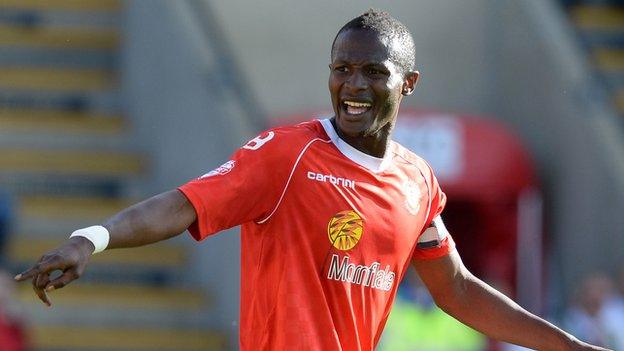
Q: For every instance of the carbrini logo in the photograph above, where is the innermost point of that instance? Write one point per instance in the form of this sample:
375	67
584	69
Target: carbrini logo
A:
345	229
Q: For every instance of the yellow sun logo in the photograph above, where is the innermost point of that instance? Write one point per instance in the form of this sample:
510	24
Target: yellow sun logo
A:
345	229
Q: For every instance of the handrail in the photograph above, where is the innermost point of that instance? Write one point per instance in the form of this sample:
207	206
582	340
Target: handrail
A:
229	72
566	50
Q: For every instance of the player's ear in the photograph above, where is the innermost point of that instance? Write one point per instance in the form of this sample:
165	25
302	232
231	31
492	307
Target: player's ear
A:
409	82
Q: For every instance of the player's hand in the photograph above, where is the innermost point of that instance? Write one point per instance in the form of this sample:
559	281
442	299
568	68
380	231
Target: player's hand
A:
70	258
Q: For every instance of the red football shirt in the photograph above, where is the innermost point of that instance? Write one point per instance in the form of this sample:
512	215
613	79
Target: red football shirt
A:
327	234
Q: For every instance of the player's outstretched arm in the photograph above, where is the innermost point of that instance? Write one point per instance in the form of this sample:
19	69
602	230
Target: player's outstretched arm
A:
473	302
158	218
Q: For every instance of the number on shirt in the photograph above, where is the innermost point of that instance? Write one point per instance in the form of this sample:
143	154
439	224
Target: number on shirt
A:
257	142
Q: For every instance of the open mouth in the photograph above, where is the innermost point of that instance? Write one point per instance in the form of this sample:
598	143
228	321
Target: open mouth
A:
356	107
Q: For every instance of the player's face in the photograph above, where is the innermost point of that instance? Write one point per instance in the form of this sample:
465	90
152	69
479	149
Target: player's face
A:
365	85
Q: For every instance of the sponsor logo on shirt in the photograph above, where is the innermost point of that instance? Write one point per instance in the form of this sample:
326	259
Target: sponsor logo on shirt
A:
221	170
328	178
366	275
345	229
412	196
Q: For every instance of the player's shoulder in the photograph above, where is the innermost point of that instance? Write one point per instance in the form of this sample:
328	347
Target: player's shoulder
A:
284	141
304	130
409	159
295	135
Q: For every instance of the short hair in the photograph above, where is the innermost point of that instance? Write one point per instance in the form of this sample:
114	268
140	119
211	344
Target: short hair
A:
389	28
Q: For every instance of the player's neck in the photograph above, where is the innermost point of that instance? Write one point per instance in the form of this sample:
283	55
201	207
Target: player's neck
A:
374	144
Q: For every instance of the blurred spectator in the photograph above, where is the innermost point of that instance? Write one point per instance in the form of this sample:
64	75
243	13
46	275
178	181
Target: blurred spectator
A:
12	336
593	317
417	324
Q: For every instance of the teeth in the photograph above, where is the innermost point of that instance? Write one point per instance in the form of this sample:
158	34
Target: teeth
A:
357	104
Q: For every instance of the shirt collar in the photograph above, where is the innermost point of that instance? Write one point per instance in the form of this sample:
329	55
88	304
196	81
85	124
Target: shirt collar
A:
372	163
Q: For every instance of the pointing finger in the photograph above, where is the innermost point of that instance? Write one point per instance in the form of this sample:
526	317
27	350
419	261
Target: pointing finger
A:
27	274
45	265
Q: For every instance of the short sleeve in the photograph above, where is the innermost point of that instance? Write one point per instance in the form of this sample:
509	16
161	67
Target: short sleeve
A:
433	244
243	189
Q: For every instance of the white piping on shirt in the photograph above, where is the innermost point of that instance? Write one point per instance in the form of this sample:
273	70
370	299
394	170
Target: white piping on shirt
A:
292	171
429	199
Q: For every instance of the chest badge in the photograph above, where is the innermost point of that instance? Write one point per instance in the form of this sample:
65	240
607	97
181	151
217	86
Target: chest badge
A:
345	229
412	193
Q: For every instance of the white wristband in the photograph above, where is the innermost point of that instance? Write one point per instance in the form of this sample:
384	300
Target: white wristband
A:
96	234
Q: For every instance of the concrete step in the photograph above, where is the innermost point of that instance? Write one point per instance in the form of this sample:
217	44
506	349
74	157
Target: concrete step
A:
64	140
25	249
101	101
63	5
55	129
56	79
69	207
53	214
53	121
110	315
124	296
45	185
70	162
614	80
603	39
598	17
61	19
58	57
72	338
609	60
58	38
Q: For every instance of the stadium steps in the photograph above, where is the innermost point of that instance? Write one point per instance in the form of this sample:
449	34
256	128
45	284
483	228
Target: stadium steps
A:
57	129
57	121
83	101
598	17
64	79
61	57
601	26
48	216
609	59
64	5
122	339
120	296
66	208
45	221
27	249
117	315
58	38
66	156
70	162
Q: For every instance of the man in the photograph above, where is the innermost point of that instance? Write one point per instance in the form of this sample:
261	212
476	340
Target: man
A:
332	212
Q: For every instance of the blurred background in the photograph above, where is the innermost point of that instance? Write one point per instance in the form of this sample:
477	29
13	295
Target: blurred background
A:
520	110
